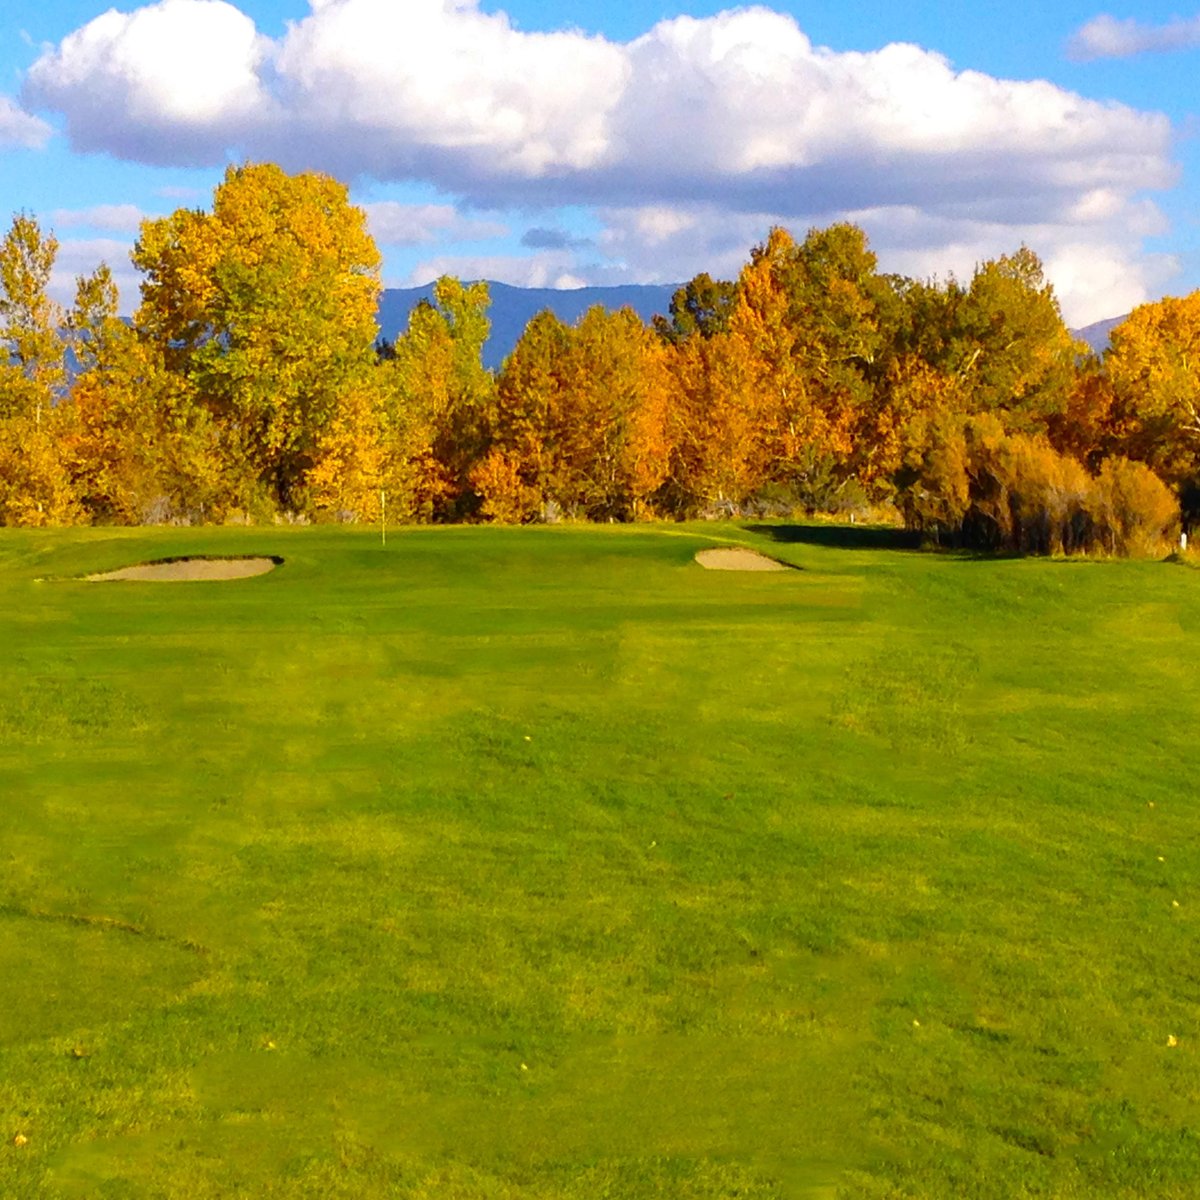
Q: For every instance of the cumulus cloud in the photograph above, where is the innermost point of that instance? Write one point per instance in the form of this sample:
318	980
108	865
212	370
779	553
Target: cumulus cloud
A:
1110	37
19	129
395	224
692	138
173	83
1098	270
437	88
740	105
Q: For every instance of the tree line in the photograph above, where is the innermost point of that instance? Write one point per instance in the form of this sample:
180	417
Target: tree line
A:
251	384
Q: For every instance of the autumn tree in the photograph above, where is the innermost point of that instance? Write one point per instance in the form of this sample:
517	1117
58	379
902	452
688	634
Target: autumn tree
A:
36	487
440	396
1153	367
983	487
140	448
31	372
582	420
902	420
526	466
355	461
266	306
1091	426
718	453
796	381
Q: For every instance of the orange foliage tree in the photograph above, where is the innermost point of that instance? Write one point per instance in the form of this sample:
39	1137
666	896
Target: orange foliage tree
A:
581	419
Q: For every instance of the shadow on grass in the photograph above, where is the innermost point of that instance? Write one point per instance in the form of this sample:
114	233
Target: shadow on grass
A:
841	537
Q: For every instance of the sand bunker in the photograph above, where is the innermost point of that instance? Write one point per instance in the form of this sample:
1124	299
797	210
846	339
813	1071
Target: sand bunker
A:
738	559
187	570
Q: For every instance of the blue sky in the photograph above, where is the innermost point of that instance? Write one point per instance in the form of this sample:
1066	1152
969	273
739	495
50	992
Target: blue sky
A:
565	143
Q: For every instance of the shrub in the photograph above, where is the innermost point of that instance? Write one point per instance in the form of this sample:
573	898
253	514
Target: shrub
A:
1135	512
981	487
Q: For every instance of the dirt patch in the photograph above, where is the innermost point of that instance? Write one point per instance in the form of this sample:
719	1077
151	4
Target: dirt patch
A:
736	558
189	570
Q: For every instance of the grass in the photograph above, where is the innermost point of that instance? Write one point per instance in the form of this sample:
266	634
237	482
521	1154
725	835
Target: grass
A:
542	863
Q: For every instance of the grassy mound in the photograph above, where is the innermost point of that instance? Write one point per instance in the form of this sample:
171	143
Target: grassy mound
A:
538	863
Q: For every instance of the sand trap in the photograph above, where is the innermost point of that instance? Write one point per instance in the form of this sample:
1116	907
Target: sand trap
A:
737	559
187	570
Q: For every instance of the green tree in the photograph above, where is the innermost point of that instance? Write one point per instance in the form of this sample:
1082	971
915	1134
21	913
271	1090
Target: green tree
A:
700	308
1008	342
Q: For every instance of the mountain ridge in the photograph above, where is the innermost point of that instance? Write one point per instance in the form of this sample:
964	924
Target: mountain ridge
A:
513	307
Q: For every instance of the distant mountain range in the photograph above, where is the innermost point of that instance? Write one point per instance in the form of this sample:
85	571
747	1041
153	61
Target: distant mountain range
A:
1096	334
513	308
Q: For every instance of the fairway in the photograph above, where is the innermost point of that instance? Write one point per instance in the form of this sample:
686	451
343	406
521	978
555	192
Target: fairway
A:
543	863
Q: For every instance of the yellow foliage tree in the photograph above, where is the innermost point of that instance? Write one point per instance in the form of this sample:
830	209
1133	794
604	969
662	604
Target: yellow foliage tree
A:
141	449
31	374
1153	365
266	306
440	397
356	461
36	487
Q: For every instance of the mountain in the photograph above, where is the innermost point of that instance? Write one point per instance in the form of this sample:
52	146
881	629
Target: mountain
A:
513	307
1096	334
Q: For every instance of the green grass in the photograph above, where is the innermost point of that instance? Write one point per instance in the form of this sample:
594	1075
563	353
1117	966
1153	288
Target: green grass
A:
543	863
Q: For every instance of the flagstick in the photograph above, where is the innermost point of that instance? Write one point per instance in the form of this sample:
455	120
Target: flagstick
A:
383	516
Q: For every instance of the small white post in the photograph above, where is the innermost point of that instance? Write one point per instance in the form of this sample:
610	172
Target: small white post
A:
383	516
1183	541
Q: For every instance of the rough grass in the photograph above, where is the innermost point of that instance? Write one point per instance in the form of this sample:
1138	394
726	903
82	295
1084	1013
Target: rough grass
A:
544	863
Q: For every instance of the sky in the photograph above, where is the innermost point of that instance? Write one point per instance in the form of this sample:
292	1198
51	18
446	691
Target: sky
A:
557	143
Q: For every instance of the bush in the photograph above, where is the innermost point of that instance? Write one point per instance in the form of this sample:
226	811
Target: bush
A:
1135	512
980	487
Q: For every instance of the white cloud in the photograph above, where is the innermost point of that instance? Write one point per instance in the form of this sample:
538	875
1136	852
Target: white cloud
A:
1094	282
395	224
740	105
1108	37
177	82
19	129
690	140
114	218
439	88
